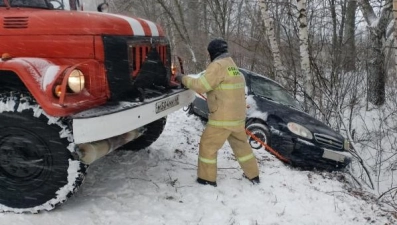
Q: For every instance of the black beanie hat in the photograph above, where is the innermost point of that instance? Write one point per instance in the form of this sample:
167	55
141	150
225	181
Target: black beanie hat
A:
217	47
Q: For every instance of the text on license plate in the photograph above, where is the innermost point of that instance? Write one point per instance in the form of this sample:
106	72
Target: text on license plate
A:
167	103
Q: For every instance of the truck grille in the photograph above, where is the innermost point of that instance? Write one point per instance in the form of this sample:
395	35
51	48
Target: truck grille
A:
328	141
137	55
137	67
15	22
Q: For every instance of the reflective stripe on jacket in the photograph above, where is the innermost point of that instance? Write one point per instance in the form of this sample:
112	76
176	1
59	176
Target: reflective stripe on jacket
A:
225	88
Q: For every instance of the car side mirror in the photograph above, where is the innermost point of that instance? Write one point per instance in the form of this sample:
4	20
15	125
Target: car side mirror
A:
103	7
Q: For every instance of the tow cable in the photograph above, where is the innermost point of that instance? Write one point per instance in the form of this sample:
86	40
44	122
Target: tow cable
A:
267	147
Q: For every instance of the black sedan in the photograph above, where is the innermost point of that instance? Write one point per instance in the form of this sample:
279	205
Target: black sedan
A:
277	119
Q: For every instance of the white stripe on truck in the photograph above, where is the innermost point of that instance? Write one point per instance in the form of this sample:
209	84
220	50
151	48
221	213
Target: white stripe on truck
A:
153	27
136	26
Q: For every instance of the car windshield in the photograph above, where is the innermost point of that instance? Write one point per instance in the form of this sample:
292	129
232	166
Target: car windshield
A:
273	91
27	3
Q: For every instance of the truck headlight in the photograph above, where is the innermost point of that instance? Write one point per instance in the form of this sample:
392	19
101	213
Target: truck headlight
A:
76	81
299	130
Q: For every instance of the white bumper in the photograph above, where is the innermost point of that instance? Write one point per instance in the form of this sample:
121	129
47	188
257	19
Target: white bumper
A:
109	121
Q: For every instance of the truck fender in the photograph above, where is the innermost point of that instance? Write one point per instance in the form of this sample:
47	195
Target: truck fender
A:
37	75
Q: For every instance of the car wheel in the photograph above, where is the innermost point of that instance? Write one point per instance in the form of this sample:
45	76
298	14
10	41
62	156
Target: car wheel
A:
151	133
260	131
37	167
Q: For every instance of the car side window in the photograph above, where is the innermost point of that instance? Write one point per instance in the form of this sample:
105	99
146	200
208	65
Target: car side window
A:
260	87
270	90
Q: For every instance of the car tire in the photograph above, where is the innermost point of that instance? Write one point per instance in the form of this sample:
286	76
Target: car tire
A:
38	170
260	131
151	133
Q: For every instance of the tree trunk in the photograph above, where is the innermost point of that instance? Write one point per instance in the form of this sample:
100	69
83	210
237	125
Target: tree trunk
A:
377	71
269	25
335	45
349	39
305	60
395	33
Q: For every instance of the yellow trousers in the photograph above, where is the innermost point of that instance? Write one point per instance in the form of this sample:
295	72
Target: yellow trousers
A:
212	140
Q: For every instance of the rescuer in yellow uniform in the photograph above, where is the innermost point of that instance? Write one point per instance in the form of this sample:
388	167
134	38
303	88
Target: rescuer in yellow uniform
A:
225	88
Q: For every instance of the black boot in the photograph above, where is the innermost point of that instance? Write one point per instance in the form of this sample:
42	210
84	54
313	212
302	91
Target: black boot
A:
205	182
254	180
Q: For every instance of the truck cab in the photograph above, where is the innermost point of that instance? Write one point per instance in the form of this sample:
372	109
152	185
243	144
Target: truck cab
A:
75	85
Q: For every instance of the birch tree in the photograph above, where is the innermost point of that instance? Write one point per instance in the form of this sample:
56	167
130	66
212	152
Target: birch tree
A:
377	33
280	72
305	60
395	32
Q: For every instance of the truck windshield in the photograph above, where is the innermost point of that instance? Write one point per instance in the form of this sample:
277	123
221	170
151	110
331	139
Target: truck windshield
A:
66	4
27	3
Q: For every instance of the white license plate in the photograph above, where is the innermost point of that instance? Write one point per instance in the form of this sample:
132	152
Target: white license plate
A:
329	154
167	103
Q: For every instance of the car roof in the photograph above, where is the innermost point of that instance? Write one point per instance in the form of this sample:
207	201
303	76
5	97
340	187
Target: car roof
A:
253	74
245	73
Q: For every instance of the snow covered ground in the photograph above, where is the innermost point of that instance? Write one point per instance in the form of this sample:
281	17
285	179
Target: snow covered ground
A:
157	186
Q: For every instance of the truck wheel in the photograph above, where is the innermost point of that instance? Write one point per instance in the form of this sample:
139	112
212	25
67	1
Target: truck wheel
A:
152	132
37	167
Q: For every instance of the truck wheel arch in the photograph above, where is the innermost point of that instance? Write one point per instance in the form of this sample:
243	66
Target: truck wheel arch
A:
10	81
29	75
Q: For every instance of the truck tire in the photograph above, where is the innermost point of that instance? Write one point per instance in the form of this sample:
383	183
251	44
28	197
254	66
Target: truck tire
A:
37	167
152	132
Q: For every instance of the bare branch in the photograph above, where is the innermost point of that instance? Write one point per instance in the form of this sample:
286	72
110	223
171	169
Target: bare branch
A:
368	12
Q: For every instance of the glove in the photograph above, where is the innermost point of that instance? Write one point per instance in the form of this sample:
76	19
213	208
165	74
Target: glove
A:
179	77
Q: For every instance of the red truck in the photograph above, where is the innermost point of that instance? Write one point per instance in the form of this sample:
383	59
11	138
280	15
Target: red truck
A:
74	86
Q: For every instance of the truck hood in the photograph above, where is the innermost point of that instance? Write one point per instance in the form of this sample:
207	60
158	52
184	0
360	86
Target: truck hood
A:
56	22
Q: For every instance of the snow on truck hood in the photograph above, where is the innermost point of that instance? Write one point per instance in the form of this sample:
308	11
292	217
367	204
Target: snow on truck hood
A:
51	22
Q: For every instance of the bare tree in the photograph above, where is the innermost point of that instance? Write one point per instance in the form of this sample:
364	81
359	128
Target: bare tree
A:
377	30
175	13
305	59
395	32
349	37
280	72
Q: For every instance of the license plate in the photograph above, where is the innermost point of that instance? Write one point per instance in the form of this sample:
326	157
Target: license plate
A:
167	103
328	154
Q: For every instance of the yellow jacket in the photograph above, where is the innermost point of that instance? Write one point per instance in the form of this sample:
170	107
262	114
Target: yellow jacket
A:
225	88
